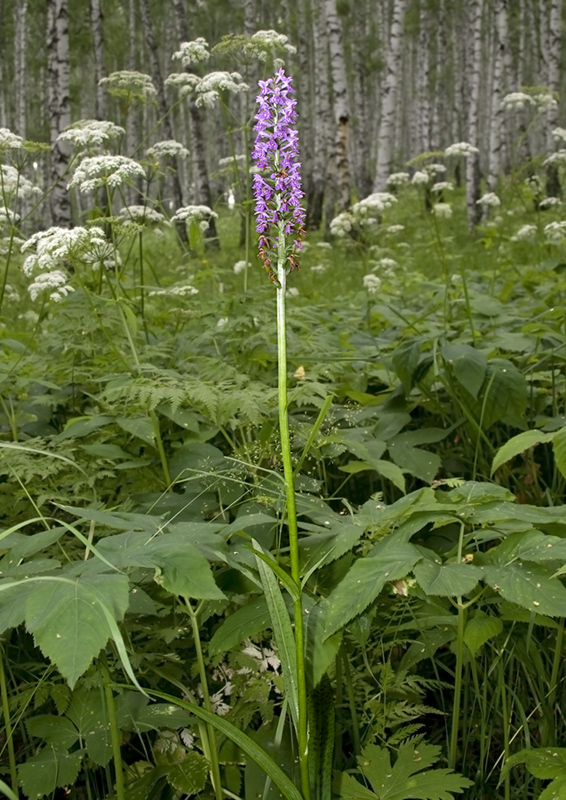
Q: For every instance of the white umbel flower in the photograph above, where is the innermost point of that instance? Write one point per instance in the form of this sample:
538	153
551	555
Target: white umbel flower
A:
461	149
420	178
198	214
489	200
516	100
555	232
55	246
10	141
371	283
398	179
112	171
54	283
168	147
195	52
91	133
525	234
442	210
375	203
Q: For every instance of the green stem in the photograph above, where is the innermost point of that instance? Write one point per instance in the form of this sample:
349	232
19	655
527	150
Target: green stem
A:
8	725
452	753
302	732
115	734
213	752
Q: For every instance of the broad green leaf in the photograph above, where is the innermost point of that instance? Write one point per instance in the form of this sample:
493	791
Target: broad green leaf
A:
389	561
559	448
421	463
517	445
542	762
245	621
506	398
321	738
189	775
244	742
351	789
479	630
528	585
43	773
319	652
83	426
405	361
59	732
12	603
529	546
469	365
67	619
180	416
283	633
446	580
140	427
89	715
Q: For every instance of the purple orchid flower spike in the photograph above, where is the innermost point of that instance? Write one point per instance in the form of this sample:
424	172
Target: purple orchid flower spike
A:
277	188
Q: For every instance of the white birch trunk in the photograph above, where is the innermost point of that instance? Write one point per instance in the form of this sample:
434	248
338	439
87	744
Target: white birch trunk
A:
496	117
389	96
423	81
553	188
323	125
97	26
341	105
20	67
472	161
59	107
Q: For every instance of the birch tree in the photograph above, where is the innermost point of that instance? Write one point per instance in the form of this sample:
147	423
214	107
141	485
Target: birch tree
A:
553	188
386	129
59	107
97	26
341	106
473	160
20	64
322	120
498	89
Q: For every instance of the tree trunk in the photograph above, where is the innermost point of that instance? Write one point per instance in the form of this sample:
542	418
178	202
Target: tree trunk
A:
386	130
199	156
498	89
423	82
323	127
59	107
20	67
341	108
553	188
97	25
473	161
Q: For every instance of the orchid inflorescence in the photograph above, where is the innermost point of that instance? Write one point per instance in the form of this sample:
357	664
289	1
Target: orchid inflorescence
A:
277	185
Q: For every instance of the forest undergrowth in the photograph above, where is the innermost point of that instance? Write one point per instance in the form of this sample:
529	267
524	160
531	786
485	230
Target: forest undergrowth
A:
146	589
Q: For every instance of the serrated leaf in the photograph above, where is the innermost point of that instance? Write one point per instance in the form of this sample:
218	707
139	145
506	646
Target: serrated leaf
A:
189	776
559	449
421	463
89	715
140	427
59	732
67	619
446	580
469	366
542	762
506	398
364	581
517	445
528	585
243	622
48	770
479	630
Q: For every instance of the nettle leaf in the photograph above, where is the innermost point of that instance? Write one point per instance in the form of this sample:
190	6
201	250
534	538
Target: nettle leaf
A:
48	770
59	732
246	621
517	445
405	780
469	366
531	586
481	629
421	463
189	775
446	580
389	560
68	618
529	546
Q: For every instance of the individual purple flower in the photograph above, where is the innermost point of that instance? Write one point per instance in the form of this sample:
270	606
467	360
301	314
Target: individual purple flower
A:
277	188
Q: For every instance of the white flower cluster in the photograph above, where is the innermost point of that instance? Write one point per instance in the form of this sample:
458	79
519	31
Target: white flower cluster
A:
555	232
13	182
559	134
342	224
168	147
461	149
442	186
103	255
231	161
545	102
386	263
516	100
240	266
174	291
55	283
142	214
198	214
395	228
398	179
375	203
208	88
558	159
111	171
262	43
9	140
91	133
525	234
420	178
195	52
442	210
371	283
8	217
489	200
549	202
130	85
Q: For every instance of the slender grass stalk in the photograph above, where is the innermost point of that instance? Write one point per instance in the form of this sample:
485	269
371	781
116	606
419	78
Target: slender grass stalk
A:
212	749
453	747
8	724
115	735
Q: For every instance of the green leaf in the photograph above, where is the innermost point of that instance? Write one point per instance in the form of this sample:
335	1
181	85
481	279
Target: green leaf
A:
446	580
247	745
140	427
189	775
283	633
321	738
469	366
479	630
48	770
528	585
505	396
421	463
517	445
405	361
89	715
83	426
543	762
389	560
246	621
67	619
12	603
56	731
559	448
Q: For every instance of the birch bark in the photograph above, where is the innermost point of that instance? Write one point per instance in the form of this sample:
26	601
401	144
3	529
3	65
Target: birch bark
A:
498	89
20	67
389	96
423	81
473	161
323	126
341	105
59	107
97	26
553	188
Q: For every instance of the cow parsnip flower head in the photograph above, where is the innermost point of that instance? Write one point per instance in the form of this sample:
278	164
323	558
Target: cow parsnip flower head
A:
130	85
209	88
342	225
10	141
398	179
489	200
142	215
461	149
558	159
112	171
189	53
555	232
199	214
375	203
280	217
516	100
167	148
14	184
91	133
442	210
